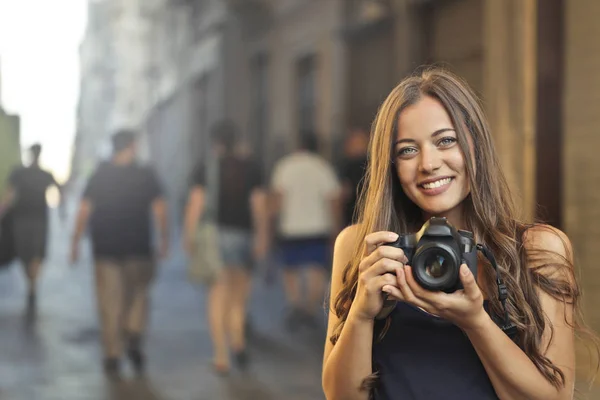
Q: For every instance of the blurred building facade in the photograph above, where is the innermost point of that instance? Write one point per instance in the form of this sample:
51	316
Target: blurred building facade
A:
10	142
115	64
189	81
10	145
97	89
278	67
578	141
290	73
153	66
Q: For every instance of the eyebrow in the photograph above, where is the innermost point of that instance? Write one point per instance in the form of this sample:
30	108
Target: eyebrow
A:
434	134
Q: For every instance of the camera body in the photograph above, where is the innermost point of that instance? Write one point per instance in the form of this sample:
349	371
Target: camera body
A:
436	253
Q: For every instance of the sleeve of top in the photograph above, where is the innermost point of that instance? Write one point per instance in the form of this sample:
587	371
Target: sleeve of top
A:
278	178
155	189
198	177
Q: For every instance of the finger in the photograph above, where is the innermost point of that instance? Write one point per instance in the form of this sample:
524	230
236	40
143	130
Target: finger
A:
385	265
382	252
393	292
407	292
373	240
376	284
380	281
414	286
436	301
471	289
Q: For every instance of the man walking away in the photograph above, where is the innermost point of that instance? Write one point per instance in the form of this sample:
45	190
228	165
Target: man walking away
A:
119	199
27	195
307	198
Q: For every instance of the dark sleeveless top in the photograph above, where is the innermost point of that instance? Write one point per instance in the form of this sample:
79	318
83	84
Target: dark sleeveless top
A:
422	357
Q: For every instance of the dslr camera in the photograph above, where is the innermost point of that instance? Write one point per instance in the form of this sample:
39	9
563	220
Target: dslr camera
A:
436	253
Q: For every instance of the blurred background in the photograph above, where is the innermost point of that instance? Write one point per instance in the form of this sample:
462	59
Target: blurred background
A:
74	72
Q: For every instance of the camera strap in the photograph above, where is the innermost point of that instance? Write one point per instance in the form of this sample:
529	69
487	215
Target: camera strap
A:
505	324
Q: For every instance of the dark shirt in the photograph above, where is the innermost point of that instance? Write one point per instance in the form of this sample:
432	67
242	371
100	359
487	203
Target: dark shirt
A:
121	197
422	357
352	174
30	185
238	177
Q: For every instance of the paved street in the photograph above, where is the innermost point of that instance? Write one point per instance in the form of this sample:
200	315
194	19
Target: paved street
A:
56	355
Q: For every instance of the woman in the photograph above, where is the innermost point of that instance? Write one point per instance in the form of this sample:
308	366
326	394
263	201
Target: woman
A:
431	154
242	223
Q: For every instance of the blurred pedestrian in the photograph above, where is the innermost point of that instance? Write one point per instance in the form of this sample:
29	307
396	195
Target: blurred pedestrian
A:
118	201
26	195
241	219
306	195
352	171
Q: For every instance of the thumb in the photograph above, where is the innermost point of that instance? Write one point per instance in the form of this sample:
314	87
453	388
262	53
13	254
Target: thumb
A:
468	280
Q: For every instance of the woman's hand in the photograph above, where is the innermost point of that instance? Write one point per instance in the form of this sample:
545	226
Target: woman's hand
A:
464	307
378	268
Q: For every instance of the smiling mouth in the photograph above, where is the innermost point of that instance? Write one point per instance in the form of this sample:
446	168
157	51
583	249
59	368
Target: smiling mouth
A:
436	184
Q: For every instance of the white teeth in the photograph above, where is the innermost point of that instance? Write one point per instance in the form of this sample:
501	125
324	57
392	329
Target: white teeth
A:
437	184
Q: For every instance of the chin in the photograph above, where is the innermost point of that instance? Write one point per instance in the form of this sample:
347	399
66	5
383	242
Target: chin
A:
438	210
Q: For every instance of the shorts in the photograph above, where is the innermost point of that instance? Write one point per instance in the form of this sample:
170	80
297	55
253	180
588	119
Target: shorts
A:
235	245
296	253
30	235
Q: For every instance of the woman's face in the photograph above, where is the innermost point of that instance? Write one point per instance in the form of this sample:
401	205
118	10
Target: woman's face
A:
429	162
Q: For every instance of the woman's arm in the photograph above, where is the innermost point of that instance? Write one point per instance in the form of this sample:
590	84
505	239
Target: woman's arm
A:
348	363
193	211
512	373
260	218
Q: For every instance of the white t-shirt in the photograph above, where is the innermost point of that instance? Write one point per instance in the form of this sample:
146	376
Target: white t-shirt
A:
307	183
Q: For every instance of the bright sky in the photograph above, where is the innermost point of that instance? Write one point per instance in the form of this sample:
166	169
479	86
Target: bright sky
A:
39	42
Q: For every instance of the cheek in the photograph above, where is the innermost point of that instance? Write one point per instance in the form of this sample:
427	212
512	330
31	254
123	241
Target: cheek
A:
456	162
406	173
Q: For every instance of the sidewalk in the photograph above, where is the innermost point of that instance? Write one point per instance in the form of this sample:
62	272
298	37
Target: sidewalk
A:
57	355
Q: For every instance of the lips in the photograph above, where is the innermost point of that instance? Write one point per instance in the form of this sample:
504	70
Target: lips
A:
433	187
436	184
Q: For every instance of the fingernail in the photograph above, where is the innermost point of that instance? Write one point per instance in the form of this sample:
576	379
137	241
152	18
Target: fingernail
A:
465	270
386	290
393	236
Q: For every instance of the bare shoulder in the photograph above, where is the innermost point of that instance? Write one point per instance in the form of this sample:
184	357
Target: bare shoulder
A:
546	238
346	242
345	245
549	253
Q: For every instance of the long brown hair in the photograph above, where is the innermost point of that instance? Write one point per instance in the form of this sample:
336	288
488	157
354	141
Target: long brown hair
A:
489	210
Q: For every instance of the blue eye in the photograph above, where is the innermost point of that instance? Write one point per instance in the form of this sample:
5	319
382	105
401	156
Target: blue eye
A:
447	141
406	151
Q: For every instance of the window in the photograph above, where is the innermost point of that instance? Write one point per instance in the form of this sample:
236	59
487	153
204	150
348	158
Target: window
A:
306	102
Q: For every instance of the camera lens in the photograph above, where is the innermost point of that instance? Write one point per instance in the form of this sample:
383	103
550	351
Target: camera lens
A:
436	266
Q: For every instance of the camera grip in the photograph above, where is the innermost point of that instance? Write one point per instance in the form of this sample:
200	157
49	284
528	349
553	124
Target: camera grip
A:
471	260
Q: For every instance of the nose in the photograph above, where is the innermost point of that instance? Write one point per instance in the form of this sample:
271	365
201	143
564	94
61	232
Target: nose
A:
430	160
